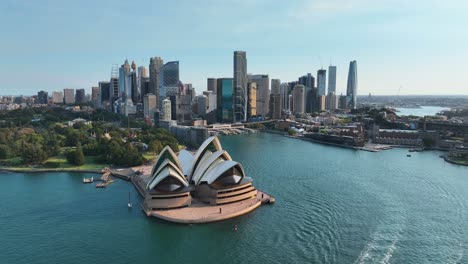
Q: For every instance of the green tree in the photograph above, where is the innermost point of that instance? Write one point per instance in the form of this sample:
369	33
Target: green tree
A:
79	156
5	152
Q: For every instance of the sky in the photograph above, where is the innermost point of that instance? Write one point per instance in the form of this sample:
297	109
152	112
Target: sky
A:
401	47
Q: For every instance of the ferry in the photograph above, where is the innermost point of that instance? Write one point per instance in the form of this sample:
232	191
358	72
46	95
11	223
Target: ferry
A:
88	180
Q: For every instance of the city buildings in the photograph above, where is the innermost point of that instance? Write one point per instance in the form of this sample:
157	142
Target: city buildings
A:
252	105
155	64
69	96
332	79
169	82
57	97
263	93
104	90
80	96
322	82
149	105
224	100
42	97
96	96
298	99
211	84
166	110
351	91
240	86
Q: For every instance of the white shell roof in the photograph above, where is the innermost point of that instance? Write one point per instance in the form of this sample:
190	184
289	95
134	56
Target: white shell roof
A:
186	161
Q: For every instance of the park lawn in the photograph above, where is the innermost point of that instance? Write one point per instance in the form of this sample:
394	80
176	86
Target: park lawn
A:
90	163
149	156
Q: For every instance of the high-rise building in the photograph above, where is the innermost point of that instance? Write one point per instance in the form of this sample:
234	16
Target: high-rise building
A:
275	103
252	105
322	82
145	86
132	87
96	96
114	89
284	89
124	71
149	105
211	84
298	99
181	108
263	93
202	102
332	79
321	103
224	100
307	80
240	86
42	97
210	106
104	89
275	86
80	96
331	101
142	74
169	82
57	97
69	96
155	64
166	110
312	104
351	91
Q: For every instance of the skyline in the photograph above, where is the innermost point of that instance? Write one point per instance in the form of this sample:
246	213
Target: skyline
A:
56	48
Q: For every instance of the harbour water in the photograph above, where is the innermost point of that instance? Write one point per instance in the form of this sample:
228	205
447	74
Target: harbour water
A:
333	205
421	111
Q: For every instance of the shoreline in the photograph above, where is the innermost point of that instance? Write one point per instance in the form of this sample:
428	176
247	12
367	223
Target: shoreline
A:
32	170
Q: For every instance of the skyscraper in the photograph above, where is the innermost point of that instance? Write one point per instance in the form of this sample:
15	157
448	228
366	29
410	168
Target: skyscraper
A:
80	96
169	82
351	91
42	97
96	96
298	99
240	86
166	110
263	92
322	82
224	100
149	105
124	70
69	96
104	89
275	107
332	79
284	89
155	64
57	97
252	105
211	85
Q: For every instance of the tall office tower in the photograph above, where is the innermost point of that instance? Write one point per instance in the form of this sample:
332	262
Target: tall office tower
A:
202	105
69	96
351	91
42	97
132	87
96	96
275	86
169	82
104	89
311	103
124	71
224	100
298	99
342	102
252	105
155	64
332	79
80	96
149	105
166	110
181	108
142	73
307	80
263	93
210	106
321	103
114	88
322	82
284	90
57	97
331	101
240	86
145	86
211	84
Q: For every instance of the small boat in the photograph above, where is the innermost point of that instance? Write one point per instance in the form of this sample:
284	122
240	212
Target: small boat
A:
88	180
129	201
408	155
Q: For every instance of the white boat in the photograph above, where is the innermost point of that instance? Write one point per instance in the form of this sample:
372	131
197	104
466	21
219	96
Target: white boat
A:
88	180
129	201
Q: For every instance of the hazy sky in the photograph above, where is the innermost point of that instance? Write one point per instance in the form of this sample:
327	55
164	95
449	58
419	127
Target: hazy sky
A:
417	47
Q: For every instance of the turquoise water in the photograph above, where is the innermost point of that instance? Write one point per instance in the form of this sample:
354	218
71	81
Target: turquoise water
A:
422	111
333	205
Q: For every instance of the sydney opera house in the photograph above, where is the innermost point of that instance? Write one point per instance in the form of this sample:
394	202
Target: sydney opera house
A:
202	187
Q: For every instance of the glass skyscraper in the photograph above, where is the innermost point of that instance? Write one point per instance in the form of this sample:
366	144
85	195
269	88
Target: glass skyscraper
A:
351	91
224	100
240	86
